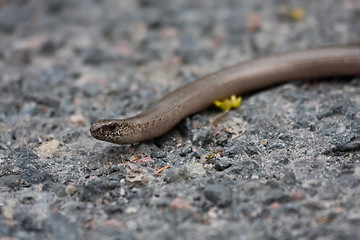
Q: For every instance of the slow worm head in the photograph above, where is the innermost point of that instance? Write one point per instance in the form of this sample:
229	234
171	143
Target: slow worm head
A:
164	114
115	130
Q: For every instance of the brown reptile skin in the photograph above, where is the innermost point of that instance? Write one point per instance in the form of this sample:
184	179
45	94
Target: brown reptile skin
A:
164	114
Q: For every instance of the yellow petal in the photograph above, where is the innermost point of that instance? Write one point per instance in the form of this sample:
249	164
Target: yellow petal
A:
297	13
227	104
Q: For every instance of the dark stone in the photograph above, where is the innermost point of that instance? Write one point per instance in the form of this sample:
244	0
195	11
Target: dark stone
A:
186	151
60	228
59	190
185	127
291	208
235	23
30	109
152	17
178	216
348	180
71	137
111	209
223	164
251	150
284	161
93	189
158	154
197	154
28	200
289	178
56	6
91	89
311	191
161	202
314	206
219	194
49	47
23	156
11	15
327	111
312	127
182	215
28	222
248	209
23	56
355	125
244	169
302	121
176	175
126	235
236	148
190	49
348	147
347	168
93	56
34	176
222	139
118	169
44	99
276	144
276	196
145	193
55	75
241	147
234	207
346	235
272	184
5	229
343	138
150	3
11	181
200	136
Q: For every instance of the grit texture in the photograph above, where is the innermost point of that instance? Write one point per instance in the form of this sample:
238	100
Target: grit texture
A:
285	165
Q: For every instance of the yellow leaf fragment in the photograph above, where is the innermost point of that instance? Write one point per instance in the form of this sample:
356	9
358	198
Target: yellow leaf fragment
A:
297	13
293	13
227	104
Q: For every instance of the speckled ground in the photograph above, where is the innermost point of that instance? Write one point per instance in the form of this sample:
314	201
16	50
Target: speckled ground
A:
285	164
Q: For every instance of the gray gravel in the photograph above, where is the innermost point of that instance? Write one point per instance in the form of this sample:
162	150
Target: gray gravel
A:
285	165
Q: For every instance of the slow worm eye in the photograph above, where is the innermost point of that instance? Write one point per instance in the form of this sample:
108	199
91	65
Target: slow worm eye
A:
113	127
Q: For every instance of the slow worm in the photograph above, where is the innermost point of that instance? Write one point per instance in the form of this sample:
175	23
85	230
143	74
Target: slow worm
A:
164	114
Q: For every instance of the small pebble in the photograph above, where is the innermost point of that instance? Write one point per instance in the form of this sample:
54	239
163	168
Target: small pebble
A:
70	190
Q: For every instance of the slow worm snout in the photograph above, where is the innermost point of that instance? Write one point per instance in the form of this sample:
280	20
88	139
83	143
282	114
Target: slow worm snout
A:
164	114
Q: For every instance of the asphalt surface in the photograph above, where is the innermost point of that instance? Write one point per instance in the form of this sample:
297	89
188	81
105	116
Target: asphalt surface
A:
285	165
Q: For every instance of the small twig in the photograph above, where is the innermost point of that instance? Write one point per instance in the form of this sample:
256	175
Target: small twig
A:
160	170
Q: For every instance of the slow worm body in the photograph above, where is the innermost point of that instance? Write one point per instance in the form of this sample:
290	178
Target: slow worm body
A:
164	114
